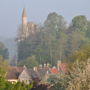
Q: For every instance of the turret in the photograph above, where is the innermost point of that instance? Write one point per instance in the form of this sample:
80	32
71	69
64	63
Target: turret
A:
24	24
24	17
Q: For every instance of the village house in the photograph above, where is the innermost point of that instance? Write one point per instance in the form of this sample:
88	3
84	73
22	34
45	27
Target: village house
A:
22	74
37	74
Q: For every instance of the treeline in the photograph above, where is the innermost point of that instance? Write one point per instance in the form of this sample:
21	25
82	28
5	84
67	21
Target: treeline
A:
55	40
4	51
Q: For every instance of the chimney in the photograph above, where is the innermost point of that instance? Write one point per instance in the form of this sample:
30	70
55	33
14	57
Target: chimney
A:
40	65
35	69
45	65
53	67
58	64
48	65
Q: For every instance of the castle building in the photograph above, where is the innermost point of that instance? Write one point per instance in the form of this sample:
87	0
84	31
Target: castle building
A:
26	28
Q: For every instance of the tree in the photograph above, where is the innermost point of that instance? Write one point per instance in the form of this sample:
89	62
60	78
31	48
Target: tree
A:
45	43
88	31
80	23
30	62
82	54
76	35
75	40
3	70
57	82
54	40
55	37
79	76
3	51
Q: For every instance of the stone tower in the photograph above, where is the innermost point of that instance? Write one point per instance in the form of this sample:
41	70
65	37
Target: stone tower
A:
26	28
25	33
24	17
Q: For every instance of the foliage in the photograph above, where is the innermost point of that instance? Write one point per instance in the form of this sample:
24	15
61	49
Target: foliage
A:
80	23
30	62
54	40
83	54
44	44
3	69
3	66
16	86
4	84
88	30
79	77
57	82
21	86
3	51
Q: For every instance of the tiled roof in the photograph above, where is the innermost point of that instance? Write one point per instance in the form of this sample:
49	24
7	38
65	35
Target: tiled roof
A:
54	70
63	68
14	72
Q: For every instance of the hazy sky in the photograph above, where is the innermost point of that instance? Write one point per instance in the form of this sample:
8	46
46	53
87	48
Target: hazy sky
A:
37	10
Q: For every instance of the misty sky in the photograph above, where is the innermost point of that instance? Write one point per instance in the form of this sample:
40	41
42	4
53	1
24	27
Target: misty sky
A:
37	10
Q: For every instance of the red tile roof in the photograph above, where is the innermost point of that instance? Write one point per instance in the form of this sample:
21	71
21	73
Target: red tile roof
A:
63	68
54	70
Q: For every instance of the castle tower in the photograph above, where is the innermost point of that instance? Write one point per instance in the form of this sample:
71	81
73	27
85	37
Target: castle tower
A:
25	32
27	28
24	17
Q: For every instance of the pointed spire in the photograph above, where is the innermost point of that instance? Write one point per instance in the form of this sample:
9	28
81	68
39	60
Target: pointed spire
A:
24	14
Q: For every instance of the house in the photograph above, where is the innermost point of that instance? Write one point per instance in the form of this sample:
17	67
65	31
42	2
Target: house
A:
22	74
13	73
60	69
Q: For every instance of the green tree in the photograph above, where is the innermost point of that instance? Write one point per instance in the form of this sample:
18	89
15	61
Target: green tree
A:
88	31
57	81
55	37
76	35
3	51
30	62
79	76
3	70
82	54
80	23
75	41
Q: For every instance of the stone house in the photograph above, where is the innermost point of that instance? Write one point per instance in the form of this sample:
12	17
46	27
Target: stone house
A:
22	74
37	74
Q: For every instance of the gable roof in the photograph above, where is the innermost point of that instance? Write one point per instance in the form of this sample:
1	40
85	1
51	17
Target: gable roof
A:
63	67
14	72
54	70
